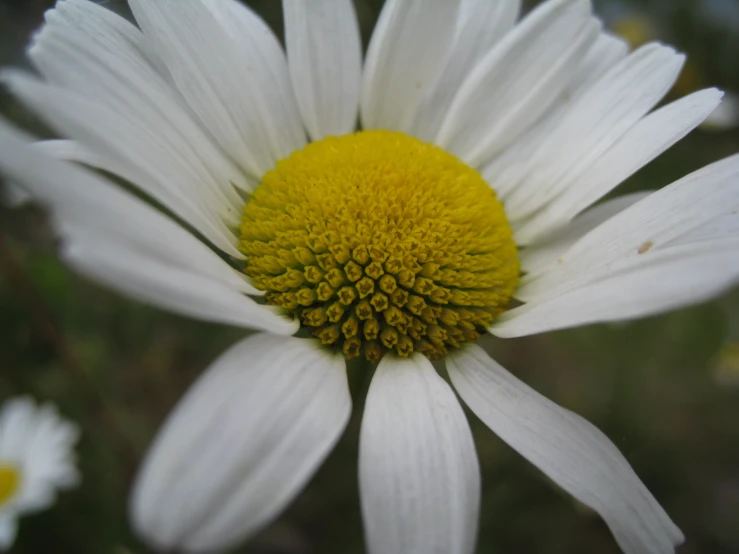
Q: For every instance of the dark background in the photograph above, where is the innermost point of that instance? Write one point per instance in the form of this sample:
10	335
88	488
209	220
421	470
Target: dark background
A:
664	389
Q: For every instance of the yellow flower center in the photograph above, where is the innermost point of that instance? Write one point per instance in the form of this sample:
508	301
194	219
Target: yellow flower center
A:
377	241
10	479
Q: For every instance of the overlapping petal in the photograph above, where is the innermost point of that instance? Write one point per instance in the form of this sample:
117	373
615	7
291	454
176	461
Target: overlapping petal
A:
607	110
241	444
645	227
536	61
541	255
150	160
405	58
154	260
229	67
646	140
568	449
481	25
325	57
418	470
674	248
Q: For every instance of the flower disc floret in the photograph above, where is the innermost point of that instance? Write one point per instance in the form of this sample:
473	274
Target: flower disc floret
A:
377	241
10	479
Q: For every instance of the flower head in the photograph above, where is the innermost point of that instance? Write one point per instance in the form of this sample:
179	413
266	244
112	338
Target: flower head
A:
36	460
460	208
379	242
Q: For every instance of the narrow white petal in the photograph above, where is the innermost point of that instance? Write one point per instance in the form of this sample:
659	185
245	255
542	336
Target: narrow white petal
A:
605	53
646	140
49	462
69	150
8	529
167	286
536	258
652	223
16	423
536	62
242	443
107	30
324	53
480	26
609	108
723	226
145	159
84	48
660	280
568	449
405	58
231	70
508	169
260	51
83	199
418	472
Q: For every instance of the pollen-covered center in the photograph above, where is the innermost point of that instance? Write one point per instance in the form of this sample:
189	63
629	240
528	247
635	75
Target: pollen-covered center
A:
9	482
377	241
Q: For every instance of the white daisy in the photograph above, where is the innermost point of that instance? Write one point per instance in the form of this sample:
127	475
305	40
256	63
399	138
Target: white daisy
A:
36	460
467	194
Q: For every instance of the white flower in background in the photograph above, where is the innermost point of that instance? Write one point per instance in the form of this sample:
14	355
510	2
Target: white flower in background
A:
36	460
485	143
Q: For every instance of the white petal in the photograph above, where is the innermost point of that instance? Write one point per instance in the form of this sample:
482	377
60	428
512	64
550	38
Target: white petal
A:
568	449
405	57
418	473
596	121
16	422
92	63
646	140
605	53
85	200
231	70
480	26
661	280
515	83
105	28
167	286
508	169
723	226
324	53
8	529
241	444
651	223
49	461
147	160
52	436
535	258
69	150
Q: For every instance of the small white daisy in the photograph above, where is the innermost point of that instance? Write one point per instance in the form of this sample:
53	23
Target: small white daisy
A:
36	460
461	208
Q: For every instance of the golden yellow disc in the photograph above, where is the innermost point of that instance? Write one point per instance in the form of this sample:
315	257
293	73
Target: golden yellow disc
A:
377	241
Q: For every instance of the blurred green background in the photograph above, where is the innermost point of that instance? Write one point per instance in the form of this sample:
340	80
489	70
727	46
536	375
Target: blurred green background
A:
665	389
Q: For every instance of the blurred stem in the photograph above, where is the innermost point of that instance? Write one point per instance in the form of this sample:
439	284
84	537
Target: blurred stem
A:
43	321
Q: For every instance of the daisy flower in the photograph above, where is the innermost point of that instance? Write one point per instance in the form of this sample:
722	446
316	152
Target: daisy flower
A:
462	207
36	460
